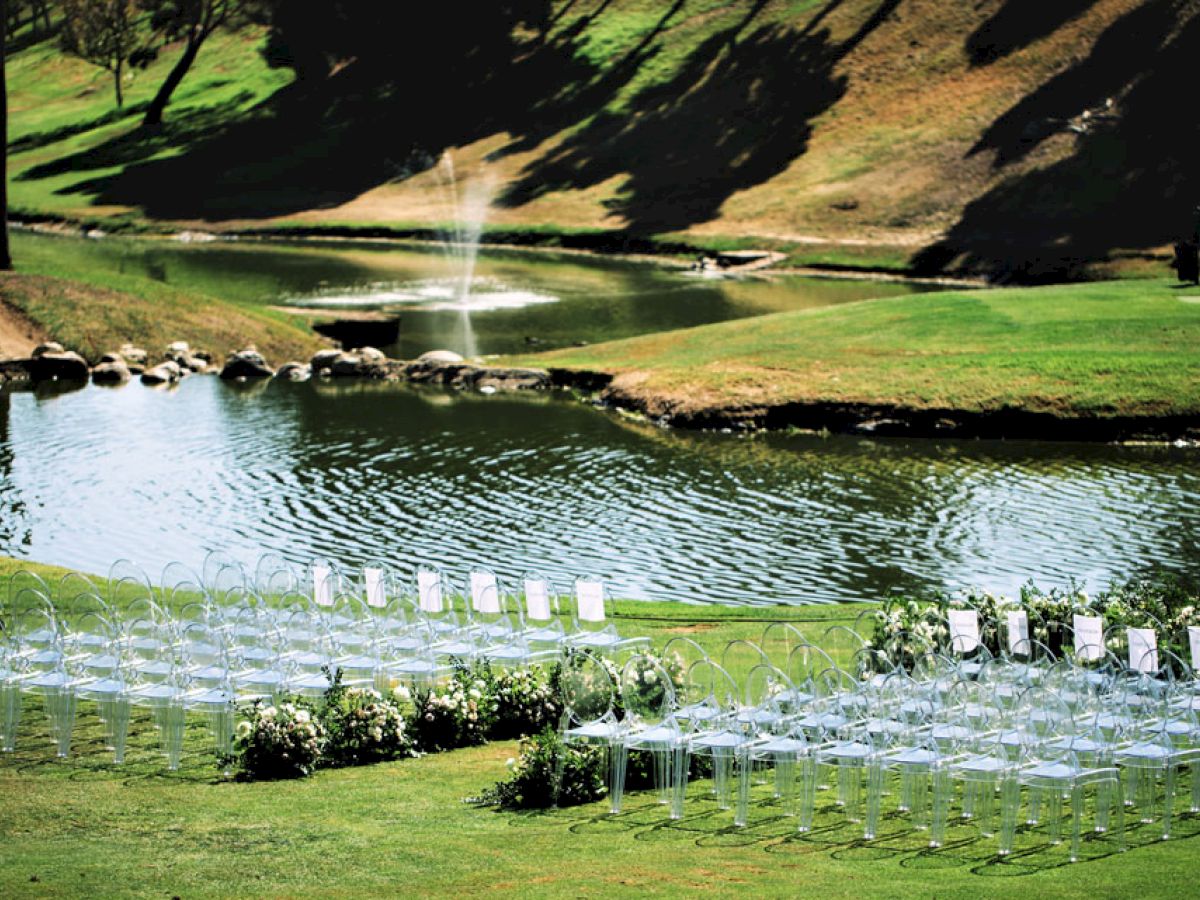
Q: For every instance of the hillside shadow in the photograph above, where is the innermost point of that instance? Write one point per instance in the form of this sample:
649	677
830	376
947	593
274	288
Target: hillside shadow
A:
1132	181
737	112
1019	23
318	144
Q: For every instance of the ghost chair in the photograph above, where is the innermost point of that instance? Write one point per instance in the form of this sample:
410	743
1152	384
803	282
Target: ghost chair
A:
776	741
541	613
717	728
1051	770
274	576
589	716
648	725
592	627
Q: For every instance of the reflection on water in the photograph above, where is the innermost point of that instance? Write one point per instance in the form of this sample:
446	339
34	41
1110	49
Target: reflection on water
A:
355	471
532	301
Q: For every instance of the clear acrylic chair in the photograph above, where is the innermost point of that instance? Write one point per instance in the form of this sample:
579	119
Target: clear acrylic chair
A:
589	718
164	695
1051	770
648	724
776	741
713	728
274	576
593	628
543	622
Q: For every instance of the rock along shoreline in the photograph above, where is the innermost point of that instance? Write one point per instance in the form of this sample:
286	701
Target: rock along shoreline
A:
52	363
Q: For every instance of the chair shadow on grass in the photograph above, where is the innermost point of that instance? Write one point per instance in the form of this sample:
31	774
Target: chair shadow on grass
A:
707	826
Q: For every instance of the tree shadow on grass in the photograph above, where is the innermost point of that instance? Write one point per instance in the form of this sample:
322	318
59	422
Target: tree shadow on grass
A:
1019	23
736	113
1132	181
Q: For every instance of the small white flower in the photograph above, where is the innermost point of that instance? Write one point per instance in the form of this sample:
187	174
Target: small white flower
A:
244	728
269	712
302	715
402	693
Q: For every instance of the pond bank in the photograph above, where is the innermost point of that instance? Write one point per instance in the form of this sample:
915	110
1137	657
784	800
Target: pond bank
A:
879	420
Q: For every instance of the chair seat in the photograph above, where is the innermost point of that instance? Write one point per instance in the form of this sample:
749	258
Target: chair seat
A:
594	730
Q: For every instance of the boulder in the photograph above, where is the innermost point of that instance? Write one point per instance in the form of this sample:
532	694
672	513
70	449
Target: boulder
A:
112	357
369	354
346	365
440	356
112	371
193	364
178	348
164	373
488	380
133	356
65	365
364	363
248	363
48	347
294	371
323	360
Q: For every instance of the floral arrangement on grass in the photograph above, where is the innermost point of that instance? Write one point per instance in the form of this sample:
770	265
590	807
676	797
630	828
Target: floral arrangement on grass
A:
284	741
526	703
531	779
362	726
460	714
906	628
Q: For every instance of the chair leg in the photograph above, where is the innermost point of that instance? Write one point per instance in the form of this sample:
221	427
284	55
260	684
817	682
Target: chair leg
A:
10	715
942	789
619	760
683	762
1076	819
1010	808
808	792
60	706
722	776
745	774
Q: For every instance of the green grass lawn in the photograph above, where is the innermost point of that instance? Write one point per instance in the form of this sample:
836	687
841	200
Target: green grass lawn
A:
83	827
93	309
1099	349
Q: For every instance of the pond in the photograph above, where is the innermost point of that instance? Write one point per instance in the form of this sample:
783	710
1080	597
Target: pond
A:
354	471
519	301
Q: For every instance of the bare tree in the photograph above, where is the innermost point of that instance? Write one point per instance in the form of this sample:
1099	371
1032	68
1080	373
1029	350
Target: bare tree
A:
106	33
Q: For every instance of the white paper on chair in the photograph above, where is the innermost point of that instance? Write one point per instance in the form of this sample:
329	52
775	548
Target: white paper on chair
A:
429	591
1143	649
1018	632
322	577
376	593
1194	644
964	629
537	600
1089	638
485	593
589	595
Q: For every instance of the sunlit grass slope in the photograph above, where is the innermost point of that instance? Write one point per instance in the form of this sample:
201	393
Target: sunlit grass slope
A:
1103	349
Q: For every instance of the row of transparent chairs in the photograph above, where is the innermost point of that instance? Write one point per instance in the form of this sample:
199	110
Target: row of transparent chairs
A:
207	640
1042	729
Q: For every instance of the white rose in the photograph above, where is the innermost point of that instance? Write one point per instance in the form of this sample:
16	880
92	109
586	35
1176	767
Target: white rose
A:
302	715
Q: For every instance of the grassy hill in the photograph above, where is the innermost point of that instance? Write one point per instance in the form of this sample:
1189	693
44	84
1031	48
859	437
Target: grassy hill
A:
1078	353
983	137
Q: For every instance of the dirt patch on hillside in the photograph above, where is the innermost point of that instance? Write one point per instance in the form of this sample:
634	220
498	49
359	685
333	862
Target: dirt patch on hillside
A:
18	334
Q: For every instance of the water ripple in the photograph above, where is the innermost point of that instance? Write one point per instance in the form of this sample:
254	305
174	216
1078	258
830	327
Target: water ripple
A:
361	472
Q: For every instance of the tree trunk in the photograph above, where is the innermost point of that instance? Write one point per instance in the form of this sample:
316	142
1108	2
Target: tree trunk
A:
154	115
117	72
5	258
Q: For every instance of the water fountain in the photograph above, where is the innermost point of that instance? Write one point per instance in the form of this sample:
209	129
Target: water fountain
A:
467	204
